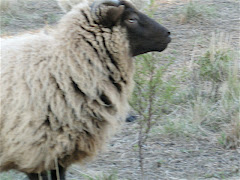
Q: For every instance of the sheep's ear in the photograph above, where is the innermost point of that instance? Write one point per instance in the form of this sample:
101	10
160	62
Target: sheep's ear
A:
114	13
107	14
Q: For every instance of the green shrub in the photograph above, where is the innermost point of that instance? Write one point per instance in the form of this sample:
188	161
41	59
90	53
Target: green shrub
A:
214	66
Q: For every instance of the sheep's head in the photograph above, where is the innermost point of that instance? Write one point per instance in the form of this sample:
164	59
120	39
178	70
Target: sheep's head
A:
145	34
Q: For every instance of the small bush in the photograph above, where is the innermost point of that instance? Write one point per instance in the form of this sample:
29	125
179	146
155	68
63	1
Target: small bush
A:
214	67
152	95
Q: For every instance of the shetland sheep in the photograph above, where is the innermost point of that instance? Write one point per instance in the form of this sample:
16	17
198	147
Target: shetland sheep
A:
63	93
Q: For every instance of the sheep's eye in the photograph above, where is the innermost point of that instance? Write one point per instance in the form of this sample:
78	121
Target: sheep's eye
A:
132	21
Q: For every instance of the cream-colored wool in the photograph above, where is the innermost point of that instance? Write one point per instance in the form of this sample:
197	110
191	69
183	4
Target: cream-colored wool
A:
62	93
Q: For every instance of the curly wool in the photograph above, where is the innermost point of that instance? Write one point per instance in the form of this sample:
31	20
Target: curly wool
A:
63	93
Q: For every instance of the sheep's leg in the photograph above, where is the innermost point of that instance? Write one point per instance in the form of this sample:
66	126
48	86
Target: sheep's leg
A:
61	173
131	118
44	176
35	176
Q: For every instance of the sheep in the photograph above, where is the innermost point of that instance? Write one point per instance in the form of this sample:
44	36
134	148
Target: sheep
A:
64	93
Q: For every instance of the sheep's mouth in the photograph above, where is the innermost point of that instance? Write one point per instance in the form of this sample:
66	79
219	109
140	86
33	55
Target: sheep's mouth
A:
169	39
163	45
162	48
158	46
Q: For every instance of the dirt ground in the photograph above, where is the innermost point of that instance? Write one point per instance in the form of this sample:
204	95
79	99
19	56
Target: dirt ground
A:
165	158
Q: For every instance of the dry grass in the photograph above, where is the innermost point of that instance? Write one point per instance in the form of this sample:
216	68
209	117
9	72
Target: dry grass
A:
231	139
206	101
213	92
20	15
193	11
12	6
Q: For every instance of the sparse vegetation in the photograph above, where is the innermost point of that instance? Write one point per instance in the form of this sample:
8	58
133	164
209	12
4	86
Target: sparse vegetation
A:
27	15
108	175
209	98
193	11
111	176
210	105
10	6
12	175
219	89
151	97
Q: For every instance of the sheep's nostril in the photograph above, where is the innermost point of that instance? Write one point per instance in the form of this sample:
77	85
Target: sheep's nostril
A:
169	34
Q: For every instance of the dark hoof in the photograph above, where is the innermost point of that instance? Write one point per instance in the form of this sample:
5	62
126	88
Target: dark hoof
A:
131	118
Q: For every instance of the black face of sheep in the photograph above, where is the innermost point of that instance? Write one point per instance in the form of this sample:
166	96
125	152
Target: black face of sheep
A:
145	34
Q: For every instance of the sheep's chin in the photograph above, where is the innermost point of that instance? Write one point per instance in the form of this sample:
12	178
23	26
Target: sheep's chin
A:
164	46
